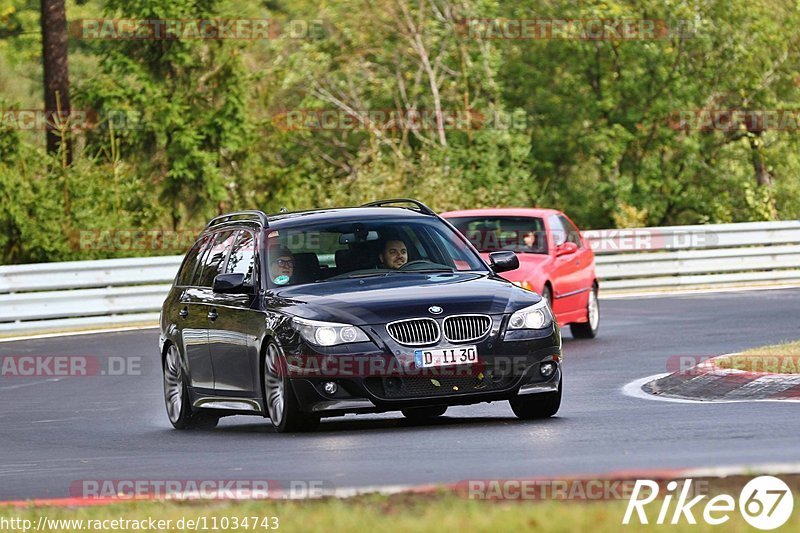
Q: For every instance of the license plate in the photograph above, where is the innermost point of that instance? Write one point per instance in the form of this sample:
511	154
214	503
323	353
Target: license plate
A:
456	355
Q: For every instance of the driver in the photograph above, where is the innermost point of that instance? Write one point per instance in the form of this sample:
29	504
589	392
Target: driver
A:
394	254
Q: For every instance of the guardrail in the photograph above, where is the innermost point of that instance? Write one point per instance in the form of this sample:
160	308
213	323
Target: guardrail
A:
80	294
680	257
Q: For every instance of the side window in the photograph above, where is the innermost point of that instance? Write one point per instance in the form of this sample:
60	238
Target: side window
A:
573	235
242	258
214	258
190	263
558	230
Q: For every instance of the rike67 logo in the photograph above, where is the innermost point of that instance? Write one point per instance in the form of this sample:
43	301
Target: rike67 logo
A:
765	503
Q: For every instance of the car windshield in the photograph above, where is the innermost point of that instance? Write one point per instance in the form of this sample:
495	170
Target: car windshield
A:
490	234
356	249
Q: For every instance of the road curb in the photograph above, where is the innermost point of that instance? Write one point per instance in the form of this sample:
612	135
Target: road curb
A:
710	382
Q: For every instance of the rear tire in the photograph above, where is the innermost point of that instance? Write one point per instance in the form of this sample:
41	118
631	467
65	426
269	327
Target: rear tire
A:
588	330
176	396
421	413
279	398
542	405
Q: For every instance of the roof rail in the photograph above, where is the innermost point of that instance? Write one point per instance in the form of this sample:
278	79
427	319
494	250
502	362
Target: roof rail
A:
253	215
422	208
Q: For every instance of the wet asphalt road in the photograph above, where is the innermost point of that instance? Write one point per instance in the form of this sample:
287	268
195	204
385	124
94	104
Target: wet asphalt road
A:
56	433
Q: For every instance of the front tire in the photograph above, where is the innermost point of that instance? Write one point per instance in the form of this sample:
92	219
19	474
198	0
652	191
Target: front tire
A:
547	295
535	406
589	329
176	396
282	406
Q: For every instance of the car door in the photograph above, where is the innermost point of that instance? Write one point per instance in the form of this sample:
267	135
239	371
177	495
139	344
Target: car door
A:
202	308
566	278
584	261
233	354
192	320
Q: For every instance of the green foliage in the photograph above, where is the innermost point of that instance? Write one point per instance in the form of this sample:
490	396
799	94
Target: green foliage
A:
189	128
184	104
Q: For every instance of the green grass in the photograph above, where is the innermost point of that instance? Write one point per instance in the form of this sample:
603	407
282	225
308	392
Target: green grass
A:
784	348
405	512
783	358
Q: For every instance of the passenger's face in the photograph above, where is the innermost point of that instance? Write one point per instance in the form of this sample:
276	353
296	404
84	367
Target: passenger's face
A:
394	254
529	239
282	266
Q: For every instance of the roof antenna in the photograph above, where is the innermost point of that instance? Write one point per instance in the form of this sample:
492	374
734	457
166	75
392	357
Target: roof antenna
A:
283	210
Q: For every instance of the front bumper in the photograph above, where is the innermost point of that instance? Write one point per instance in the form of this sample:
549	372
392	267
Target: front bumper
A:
508	366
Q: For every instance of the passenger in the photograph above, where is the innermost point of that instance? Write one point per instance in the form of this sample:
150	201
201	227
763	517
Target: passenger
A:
530	239
281	265
394	254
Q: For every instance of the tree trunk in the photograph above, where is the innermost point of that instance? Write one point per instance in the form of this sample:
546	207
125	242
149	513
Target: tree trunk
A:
763	177
757	159
56	76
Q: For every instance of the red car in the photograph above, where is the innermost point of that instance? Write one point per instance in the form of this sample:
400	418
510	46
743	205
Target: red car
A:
555	260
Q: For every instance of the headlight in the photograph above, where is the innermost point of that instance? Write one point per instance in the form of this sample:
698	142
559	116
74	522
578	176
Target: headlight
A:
537	316
524	284
328	333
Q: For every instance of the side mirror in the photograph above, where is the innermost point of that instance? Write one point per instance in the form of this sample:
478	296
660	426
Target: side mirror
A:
503	261
566	248
231	284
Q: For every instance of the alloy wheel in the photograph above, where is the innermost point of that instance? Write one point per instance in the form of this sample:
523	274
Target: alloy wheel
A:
274	387
173	384
594	310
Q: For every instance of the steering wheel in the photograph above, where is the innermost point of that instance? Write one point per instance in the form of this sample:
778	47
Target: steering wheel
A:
415	262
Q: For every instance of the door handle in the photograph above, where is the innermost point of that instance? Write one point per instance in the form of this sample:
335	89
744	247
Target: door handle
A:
184	312
212	315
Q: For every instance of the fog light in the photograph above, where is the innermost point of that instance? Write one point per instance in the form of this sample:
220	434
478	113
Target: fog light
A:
547	369
330	387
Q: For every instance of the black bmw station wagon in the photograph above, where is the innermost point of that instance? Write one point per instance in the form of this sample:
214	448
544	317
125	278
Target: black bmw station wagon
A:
383	307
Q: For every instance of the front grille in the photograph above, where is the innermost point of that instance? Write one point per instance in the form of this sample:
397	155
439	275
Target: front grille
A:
420	386
463	328
414	332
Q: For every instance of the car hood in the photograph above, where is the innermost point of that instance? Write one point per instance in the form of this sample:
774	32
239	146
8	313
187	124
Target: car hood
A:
377	300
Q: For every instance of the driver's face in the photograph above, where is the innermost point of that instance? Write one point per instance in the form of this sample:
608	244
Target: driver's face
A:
394	254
